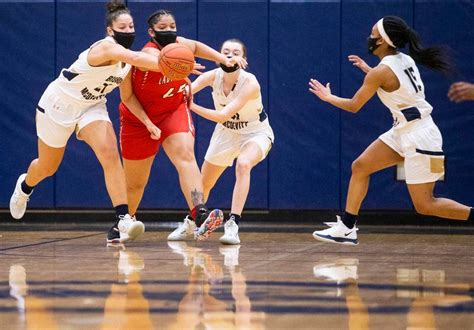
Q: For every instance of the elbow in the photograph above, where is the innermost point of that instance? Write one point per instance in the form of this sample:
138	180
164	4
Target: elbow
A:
354	108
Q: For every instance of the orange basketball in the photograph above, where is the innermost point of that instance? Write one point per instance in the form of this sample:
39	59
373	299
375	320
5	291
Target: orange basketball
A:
176	61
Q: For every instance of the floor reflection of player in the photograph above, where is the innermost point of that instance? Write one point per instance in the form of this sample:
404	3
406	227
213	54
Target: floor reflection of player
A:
344	272
433	292
126	307
199	308
34	310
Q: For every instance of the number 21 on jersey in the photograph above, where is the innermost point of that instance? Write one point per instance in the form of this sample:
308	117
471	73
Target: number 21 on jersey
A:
171	92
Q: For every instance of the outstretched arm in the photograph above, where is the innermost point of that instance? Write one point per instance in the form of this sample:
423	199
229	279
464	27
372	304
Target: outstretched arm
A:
250	91
106	52
203	81
373	80
204	51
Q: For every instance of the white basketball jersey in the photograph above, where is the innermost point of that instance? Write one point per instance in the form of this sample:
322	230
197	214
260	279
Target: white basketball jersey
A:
86	85
408	102
250	111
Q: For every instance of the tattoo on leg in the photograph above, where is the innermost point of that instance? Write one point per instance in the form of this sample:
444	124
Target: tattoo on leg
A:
197	197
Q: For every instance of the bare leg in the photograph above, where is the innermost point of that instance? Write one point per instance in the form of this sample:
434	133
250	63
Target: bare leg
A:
210	174
137	173
376	157
45	165
100	136
250	156
425	203
180	149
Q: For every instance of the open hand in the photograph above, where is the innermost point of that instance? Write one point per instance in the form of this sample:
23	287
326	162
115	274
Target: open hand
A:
197	68
240	61
461	91
358	62
318	89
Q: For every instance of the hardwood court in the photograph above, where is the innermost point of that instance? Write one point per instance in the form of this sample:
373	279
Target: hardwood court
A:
70	280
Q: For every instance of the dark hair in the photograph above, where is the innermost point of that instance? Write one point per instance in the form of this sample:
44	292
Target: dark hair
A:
436	58
155	17
244	48
115	8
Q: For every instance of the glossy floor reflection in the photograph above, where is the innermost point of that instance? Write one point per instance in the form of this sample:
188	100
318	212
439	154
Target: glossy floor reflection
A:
70	280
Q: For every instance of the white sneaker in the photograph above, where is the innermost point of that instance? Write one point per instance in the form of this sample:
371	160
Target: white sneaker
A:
338	271
19	199
231	233
129	228
183	231
338	233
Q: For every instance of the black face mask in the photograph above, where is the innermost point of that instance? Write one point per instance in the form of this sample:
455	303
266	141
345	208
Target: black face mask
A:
164	38
229	69
372	44
124	39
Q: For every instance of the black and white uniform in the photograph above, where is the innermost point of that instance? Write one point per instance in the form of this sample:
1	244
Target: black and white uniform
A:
250	124
414	135
77	98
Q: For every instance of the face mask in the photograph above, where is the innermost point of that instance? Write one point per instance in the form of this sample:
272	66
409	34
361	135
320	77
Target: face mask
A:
229	69
372	44
165	38
124	39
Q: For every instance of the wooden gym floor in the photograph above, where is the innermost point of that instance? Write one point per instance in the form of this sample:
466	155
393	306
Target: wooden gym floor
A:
273	280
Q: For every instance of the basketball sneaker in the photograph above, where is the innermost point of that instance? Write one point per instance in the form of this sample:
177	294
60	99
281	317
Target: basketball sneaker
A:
183	231
128	228
212	222
337	233
19	199
231	233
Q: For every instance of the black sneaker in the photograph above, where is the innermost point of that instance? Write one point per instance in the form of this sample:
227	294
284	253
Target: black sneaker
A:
113	236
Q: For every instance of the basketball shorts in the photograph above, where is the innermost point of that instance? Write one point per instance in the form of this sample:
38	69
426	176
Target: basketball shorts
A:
135	140
226	144
421	145
56	119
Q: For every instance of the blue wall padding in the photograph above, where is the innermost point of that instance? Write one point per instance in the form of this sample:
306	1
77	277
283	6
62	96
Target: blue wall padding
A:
288	43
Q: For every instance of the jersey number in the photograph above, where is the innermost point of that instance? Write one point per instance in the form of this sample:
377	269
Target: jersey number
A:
170	92
411	75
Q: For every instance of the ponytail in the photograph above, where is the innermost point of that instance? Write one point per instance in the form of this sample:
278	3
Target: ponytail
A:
115	8
436	58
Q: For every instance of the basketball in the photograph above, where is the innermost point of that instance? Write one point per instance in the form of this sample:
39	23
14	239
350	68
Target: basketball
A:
176	61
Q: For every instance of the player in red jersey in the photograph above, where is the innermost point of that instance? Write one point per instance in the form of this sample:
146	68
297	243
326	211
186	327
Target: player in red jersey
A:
154	112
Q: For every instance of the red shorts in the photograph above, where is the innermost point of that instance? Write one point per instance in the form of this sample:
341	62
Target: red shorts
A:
135	140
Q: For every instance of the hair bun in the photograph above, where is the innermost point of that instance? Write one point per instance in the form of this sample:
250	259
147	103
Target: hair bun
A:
115	5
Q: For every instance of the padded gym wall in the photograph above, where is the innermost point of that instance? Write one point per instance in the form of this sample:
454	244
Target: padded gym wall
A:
288	43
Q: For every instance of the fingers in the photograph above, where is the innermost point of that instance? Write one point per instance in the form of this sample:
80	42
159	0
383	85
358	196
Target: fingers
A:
458	92
196	72
198	66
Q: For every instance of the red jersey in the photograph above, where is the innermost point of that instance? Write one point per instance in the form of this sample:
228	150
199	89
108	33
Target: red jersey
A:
157	94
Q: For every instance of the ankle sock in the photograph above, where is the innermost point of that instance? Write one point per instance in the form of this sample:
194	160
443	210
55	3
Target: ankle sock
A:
349	220
26	188
235	217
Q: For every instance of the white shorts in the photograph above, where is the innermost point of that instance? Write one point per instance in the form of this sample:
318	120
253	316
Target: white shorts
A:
56	119
421	145
226	144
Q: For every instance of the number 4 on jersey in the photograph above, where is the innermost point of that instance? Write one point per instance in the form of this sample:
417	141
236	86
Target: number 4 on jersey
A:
170	91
